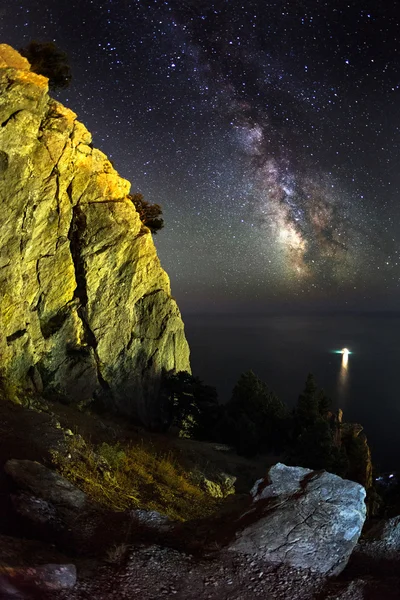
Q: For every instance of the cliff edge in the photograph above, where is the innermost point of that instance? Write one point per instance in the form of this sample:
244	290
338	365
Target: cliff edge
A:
85	307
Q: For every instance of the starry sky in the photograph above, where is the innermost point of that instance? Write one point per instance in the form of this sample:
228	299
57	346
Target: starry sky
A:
268	131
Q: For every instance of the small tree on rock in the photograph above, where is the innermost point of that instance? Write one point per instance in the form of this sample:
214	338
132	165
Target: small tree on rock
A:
49	60
150	214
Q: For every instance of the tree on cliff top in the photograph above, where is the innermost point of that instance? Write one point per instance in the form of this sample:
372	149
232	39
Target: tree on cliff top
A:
49	60
150	214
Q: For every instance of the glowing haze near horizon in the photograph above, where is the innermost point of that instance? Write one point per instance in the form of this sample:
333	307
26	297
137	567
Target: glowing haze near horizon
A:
268	131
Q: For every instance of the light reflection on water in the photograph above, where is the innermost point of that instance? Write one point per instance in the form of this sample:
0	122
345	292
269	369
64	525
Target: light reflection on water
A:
343	379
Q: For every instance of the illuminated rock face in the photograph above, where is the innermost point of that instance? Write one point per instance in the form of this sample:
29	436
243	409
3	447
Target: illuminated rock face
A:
85	307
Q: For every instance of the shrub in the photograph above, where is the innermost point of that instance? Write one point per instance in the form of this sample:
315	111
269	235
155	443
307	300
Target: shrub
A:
117	553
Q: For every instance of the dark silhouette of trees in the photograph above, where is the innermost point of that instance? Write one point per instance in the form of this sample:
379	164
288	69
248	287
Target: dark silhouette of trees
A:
49	60
255	419
192	407
324	404
312	404
315	443
307	409
150	214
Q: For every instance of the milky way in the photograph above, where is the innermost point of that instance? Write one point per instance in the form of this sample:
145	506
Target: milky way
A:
268	131
307	219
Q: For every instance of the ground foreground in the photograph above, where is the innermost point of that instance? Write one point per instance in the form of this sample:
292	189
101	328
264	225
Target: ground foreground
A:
153	572
147	563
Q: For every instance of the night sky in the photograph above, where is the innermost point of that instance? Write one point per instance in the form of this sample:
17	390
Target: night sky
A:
268	132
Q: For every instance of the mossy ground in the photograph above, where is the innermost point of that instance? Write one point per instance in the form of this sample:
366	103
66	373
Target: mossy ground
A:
134	475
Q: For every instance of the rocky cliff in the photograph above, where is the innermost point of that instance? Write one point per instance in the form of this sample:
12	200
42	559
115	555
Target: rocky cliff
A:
85	307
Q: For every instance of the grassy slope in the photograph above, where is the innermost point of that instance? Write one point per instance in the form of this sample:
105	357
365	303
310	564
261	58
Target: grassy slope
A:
118	465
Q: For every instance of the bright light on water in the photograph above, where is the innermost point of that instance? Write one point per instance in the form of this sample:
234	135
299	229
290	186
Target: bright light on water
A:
343	374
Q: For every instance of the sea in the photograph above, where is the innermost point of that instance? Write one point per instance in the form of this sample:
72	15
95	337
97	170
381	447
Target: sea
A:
283	349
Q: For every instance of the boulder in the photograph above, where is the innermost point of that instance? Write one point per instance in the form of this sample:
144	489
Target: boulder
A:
51	508
28	565
302	518
151	520
36	509
386	534
47	578
379	547
45	484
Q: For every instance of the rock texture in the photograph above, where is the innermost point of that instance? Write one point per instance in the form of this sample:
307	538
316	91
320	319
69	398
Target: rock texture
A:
30	569
48	507
46	578
302	518
152	572
385	533
85	307
45	483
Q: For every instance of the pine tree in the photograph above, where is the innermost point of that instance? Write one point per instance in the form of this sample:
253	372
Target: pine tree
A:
313	444
49	60
257	414
324	404
192	406
307	409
